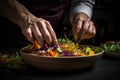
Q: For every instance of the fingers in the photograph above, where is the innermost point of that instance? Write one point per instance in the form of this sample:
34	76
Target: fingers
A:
76	28
88	30
52	33
45	33
84	29
28	33
37	34
91	32
41	31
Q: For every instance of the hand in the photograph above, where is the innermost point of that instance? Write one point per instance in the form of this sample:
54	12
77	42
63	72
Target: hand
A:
41	31
83	27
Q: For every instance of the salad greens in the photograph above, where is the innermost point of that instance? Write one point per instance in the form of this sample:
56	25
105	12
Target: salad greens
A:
111	46
11	61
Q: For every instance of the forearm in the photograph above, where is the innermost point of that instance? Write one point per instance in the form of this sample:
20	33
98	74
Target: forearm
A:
84	6
14	11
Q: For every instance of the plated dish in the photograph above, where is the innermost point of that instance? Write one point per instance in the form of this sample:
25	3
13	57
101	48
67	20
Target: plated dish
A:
65	56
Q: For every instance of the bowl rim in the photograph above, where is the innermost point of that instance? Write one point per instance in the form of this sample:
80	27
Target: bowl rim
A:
65	57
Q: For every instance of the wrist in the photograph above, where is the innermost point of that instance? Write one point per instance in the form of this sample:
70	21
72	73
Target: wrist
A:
27	20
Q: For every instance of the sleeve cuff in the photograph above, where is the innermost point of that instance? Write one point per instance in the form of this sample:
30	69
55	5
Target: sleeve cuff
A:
80	8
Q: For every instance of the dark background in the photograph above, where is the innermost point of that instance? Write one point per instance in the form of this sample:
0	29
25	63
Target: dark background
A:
106	19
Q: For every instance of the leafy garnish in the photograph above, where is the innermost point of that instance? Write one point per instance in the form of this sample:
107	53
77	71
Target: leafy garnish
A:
65	47
111	47
13	61
63	40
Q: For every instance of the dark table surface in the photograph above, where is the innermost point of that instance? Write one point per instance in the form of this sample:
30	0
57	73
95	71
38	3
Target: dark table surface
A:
104	69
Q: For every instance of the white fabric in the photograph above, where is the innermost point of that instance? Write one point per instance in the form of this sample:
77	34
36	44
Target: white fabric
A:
85	6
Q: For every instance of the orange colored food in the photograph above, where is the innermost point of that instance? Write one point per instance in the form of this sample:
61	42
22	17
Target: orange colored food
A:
72	48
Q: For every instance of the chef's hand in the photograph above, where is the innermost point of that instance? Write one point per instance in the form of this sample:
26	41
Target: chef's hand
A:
41	30
83	27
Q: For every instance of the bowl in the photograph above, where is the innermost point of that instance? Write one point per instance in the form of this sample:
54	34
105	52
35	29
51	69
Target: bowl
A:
111	49
61	63
112	55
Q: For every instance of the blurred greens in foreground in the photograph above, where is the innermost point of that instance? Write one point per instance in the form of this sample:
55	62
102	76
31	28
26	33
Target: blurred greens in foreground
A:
11	61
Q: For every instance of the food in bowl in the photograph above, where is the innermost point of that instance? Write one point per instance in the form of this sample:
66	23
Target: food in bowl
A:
65	48
66	56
